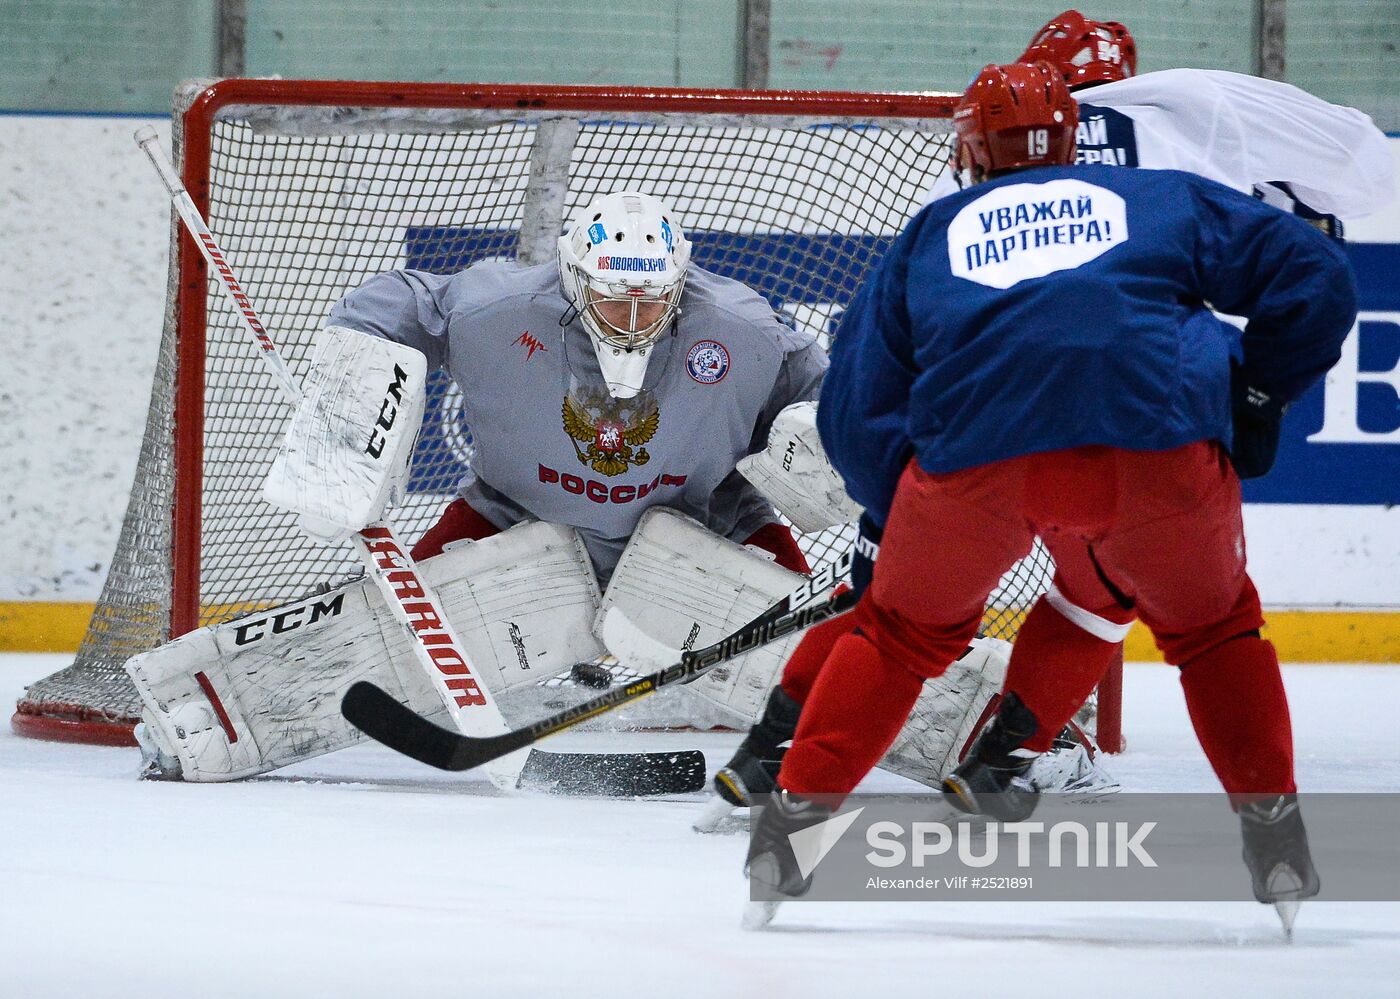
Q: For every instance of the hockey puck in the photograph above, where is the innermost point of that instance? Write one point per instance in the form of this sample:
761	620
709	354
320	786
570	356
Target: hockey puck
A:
594	675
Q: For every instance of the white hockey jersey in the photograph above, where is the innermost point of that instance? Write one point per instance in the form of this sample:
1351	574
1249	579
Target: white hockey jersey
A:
1241	131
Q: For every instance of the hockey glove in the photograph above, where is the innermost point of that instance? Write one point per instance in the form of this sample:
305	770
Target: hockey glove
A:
867	547
1258	419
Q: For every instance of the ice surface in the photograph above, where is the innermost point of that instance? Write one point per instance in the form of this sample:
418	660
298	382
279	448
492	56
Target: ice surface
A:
365	874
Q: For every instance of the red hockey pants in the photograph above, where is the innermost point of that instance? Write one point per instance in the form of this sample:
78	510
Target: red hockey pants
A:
1161	530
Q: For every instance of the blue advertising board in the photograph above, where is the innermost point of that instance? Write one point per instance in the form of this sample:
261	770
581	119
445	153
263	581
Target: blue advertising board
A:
1341	441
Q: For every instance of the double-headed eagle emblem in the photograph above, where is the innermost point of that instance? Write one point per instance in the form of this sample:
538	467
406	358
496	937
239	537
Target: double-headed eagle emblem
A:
614	434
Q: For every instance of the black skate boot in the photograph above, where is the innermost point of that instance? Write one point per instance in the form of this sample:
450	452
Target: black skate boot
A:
993	779
1276	853
771	863
753	771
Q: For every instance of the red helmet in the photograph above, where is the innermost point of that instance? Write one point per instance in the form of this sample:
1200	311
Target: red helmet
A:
1015	115
1084	51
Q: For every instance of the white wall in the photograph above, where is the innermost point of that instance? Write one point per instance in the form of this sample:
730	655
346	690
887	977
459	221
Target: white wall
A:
83	245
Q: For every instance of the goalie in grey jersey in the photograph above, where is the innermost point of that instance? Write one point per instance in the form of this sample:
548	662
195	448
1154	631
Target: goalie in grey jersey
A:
632	416
611	399
624	378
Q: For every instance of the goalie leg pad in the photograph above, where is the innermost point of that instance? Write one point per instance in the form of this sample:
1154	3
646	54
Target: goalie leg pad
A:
686	588
949	713
257	693
261	692
953	708
524	602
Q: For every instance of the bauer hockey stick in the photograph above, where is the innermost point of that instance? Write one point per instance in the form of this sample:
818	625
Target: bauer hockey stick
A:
438	650
377	714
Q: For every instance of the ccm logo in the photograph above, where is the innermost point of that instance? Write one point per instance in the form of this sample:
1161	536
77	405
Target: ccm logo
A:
287	620
388	412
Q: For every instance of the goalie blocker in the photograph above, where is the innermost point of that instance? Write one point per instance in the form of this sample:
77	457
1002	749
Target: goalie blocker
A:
346	450
795	475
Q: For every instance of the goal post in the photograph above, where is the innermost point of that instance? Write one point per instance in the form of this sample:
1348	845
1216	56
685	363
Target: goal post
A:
311	187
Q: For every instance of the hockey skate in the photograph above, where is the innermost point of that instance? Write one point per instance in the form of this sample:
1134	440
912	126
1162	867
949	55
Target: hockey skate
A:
994	779
772	863
752	772
1276	853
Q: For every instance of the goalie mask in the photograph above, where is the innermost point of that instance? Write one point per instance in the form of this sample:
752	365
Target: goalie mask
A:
623	263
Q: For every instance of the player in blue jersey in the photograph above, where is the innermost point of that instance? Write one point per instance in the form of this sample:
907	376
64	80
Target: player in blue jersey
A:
1035	356
1287	147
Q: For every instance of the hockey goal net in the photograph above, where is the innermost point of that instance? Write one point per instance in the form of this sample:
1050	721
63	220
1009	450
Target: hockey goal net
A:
311	187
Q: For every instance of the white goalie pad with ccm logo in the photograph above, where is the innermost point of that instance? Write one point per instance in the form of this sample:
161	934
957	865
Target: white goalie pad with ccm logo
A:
795	474
348	444
687	588
263	691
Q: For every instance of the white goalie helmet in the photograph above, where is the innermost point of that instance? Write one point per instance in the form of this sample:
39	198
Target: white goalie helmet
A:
623	262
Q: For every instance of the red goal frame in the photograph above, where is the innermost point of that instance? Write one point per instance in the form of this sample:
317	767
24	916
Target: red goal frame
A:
188	312
198	123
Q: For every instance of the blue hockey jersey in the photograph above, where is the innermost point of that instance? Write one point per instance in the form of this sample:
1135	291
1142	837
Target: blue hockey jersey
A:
1067	306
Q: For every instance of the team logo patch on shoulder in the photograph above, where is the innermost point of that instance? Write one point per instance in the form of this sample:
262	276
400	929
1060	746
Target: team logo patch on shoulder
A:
707	362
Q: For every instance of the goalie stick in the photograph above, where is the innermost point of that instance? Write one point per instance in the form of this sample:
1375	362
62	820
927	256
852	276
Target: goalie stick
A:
381	717
417	608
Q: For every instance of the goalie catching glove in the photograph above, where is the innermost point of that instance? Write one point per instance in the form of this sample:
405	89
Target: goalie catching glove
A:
795	475
346	451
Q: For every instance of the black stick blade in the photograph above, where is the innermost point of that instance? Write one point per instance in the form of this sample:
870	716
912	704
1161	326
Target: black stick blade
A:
378	715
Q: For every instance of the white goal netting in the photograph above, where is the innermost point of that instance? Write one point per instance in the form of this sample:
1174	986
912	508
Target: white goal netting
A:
311	194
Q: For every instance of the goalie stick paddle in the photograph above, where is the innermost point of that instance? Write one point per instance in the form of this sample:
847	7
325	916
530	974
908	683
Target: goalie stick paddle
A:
377	714
437	648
